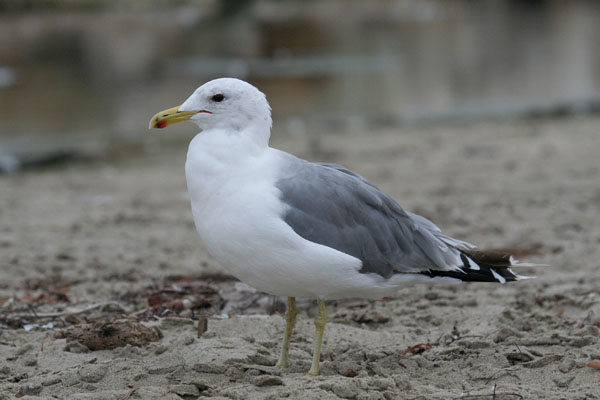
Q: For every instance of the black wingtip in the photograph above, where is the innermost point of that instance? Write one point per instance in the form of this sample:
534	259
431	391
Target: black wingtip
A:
480	266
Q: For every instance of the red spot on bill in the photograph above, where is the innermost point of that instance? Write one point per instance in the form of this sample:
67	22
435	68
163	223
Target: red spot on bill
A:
161	124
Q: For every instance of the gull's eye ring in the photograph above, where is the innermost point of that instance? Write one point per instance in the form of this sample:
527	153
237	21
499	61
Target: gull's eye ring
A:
219	97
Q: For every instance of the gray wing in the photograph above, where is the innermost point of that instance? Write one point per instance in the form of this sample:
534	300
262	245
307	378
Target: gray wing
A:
332	206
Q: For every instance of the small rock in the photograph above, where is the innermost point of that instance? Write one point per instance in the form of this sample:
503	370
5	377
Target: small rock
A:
268	380
5	370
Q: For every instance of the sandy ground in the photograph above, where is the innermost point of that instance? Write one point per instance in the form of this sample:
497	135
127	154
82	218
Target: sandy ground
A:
121	237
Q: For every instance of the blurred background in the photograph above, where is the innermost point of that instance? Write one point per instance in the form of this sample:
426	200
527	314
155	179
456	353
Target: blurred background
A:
84	76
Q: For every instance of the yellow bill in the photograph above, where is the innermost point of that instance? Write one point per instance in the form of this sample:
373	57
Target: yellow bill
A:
171	116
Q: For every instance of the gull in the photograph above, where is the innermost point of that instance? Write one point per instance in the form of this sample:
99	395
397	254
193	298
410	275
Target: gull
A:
293	228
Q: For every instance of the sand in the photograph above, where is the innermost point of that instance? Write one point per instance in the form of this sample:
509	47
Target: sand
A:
97	243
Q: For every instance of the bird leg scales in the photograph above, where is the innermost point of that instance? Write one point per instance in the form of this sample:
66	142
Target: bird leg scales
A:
290	321
320	322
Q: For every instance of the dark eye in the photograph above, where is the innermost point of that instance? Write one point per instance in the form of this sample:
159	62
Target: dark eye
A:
218	97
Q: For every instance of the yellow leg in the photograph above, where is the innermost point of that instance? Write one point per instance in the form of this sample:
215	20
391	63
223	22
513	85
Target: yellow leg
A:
320	322
290	321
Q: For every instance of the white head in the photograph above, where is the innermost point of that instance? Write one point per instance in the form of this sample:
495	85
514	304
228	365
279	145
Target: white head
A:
226	104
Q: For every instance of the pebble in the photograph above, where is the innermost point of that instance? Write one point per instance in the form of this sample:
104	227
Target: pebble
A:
268	380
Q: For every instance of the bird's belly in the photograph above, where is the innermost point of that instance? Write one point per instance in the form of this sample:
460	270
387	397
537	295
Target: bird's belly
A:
255	245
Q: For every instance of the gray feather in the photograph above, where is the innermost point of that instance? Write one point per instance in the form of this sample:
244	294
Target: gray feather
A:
332	206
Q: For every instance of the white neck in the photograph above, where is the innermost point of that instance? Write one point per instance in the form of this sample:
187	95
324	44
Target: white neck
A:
217	158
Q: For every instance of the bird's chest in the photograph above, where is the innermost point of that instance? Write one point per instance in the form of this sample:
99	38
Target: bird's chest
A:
234	210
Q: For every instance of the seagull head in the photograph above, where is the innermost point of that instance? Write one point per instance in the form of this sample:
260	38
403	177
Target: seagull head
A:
226	103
